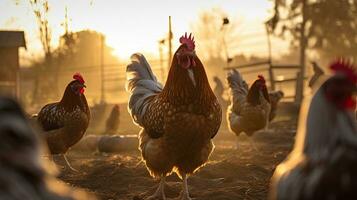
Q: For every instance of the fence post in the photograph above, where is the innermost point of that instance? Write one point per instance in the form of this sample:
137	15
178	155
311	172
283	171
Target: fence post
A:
271	74
102	97
300	80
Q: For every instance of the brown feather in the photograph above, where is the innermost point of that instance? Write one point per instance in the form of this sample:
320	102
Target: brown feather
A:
183	119
65	122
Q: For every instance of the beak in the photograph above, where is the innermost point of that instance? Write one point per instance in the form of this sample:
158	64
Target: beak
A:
84	86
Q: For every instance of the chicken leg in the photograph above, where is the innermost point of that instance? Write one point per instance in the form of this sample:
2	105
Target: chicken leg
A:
253	145
68	164
160	193
237	143
184	194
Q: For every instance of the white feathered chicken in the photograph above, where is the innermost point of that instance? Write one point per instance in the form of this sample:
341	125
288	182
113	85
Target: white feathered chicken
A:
324	160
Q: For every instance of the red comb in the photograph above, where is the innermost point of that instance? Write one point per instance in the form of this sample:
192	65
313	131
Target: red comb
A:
346	68
78	77
261	77
189	41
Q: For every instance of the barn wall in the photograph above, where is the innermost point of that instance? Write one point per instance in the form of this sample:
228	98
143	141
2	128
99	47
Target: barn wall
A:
9	64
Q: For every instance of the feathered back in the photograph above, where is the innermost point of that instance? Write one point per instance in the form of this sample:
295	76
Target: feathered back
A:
238	89
142	84
235	79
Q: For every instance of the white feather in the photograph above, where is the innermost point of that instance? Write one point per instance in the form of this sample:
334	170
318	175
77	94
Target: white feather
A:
142	84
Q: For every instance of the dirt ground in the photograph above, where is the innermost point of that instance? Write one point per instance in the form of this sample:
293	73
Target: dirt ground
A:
231	173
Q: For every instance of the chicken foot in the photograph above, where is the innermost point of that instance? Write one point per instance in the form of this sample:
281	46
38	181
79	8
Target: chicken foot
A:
68	164
254	146
184	194
160	192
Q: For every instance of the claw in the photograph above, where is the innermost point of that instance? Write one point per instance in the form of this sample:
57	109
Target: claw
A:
68	164
160	193
184	195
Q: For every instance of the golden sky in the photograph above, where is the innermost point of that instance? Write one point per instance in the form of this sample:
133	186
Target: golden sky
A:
131	25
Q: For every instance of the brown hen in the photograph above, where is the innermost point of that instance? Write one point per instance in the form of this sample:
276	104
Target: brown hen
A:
65	122
178	120
250	107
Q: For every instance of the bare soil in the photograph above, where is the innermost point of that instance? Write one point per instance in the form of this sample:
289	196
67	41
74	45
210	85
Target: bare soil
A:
230	174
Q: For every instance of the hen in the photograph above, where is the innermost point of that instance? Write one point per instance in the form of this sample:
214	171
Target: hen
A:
22	174
65	122
275	98
112	123
178	120
323	162
250	107
318	72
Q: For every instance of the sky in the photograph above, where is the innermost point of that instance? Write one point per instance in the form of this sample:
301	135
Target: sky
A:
131	25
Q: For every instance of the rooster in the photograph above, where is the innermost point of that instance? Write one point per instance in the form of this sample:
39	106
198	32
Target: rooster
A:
22	174
250	107
65	122
178	120
323	162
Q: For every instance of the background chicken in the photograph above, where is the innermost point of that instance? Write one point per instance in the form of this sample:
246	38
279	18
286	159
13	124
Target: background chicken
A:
65	122
275	98
323	163
22	174
250	108
178	120
318	72
112	123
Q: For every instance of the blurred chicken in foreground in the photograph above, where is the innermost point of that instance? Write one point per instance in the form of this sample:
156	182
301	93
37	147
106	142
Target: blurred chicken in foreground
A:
65	122
323	162
22	174
251	108
179	120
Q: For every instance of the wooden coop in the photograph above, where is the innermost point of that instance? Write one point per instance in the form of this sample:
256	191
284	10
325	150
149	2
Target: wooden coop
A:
10	42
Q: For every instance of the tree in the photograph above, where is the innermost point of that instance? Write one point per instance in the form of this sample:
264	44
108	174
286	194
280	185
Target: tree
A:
210	32
41	8
77	52
82	49
331	25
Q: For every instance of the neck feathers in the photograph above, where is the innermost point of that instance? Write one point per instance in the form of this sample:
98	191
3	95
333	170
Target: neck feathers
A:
180	89
70	100
254	94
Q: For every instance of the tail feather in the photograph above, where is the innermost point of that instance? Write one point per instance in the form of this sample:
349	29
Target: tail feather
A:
141	84
237	83
238	89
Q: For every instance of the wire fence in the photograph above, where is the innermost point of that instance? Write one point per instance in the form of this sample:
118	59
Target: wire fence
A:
113	79
260	43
